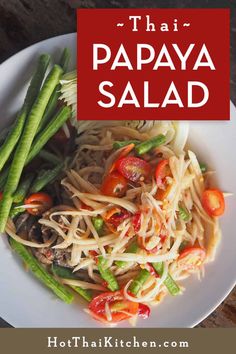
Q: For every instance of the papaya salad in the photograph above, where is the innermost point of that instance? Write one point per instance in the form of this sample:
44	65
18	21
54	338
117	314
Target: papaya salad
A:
116	212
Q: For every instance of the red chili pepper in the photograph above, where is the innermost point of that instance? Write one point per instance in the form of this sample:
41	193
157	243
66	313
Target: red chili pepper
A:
85	206
162	170
143	311
163	238
94	254
118	218
136	221
104	283
152	270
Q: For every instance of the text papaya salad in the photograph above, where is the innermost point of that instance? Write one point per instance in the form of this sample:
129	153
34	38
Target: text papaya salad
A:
118	213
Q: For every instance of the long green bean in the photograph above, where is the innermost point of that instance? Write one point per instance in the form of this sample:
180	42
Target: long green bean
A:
49	157
132	248
184	214
66	273
53	126
106	274
146	146
42	138
23	188
16	210
65	59
120	144
3	178
98	223
41	273
52	103
169	282
24	145
5	131
45	177
86	294
17	128
139	281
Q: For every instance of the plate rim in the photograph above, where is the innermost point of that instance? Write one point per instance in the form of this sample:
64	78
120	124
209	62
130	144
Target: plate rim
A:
233	282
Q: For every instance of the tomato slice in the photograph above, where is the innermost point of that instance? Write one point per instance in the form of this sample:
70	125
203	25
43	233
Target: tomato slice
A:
191	257
213	202
162	171
120	308
133	168
1	195
114	185
42	200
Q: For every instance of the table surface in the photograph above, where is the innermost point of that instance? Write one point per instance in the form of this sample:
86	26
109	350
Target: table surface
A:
20	27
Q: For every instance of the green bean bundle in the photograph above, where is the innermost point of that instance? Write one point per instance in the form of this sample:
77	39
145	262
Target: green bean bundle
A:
25	143
32	92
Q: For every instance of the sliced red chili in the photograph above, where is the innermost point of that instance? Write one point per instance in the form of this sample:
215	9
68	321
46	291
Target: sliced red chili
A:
143	311
118	218
162	171
136	221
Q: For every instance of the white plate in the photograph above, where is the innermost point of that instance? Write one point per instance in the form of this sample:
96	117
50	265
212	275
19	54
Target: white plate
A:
24	302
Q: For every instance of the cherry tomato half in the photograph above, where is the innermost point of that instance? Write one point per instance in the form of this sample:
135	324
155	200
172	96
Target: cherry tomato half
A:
42	199
162	171
120	308
124	152
213	202
133	168
191	257
114	185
